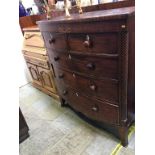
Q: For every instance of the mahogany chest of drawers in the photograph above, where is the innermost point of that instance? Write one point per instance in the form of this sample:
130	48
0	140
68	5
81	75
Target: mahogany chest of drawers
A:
93	58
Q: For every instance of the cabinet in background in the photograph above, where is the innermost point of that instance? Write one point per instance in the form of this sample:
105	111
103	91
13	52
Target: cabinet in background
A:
37	61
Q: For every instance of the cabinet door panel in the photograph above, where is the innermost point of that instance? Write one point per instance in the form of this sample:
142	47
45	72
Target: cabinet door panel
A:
34	73
47	79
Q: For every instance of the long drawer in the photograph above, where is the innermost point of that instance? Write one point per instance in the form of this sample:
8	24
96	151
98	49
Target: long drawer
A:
94	109
105	90
94	43
97	66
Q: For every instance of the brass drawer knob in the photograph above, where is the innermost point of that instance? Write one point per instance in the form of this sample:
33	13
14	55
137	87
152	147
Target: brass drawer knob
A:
65	92
95	108
61	75
56	58
52	41
90	66
93	87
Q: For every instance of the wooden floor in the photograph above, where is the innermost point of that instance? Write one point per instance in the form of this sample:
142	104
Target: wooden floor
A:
59	131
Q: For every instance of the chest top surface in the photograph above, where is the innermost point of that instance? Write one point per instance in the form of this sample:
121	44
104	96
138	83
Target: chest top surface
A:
119	13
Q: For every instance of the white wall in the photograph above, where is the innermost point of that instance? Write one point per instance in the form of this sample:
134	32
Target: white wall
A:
27	3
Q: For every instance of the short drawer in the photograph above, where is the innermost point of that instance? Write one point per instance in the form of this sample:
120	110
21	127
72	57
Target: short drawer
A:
105	90
94	109
37	61
33	39
95	66
55	40
35	55
94	43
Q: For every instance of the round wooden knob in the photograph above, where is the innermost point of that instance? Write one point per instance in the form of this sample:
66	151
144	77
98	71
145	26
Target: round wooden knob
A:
65	92
87	43
95	108
52	40
74	76
90	66
61	75
93	87
69	57
56	58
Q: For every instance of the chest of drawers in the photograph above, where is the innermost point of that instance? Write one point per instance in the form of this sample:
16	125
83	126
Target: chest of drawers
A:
93	58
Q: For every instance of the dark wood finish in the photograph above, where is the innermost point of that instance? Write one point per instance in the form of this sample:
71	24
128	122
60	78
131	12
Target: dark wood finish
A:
88	65
23	128
98	43
95	109
107	15
105	90
55	41
94	64
131	61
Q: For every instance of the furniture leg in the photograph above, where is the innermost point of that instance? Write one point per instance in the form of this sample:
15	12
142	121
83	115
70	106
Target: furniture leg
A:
123	133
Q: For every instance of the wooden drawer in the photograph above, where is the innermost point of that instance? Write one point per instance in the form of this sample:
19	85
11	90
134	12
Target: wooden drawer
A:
37	61
55	41
35	55
94	43
33	39
94	109
105	90
96	66
36	50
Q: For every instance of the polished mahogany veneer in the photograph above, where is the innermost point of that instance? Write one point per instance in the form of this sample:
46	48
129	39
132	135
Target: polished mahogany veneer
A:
93	59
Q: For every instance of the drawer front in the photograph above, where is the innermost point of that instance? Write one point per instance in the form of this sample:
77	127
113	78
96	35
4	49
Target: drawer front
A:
36	55
96	66
106	90
37	61
94	109
55	40
33	39
35	50
59	59
94	43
